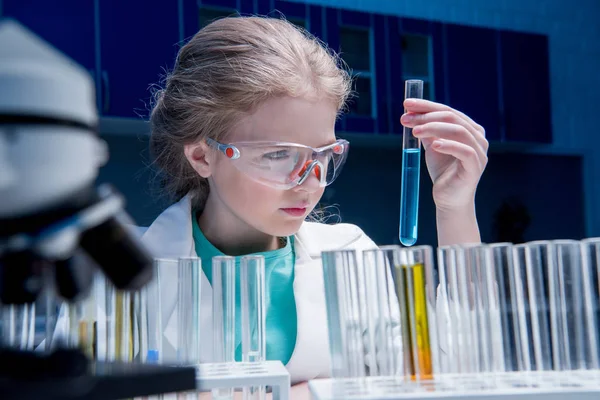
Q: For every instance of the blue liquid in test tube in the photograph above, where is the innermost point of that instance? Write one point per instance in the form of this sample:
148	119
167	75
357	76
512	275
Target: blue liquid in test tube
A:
411	166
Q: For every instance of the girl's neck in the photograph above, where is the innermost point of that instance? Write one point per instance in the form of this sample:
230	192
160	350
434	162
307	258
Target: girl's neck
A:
231	235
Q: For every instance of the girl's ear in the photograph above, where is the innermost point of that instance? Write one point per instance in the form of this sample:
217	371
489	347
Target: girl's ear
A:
200	157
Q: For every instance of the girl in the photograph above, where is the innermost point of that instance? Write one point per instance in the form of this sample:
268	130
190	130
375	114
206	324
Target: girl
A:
244	135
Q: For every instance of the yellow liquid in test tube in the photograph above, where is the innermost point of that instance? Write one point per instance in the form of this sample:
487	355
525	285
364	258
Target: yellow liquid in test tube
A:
123	328
417	321
87	338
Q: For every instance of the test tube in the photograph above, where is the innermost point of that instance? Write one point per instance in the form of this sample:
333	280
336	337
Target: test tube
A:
411	165
253	308
415	263
188	310
344	303
384	338
570	343
123	326
503	299
223	285
86	322
452	342
474	258
148	307
466	300
590	254
536	270
18	325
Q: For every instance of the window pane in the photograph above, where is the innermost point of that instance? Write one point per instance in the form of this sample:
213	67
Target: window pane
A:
415	55
354	44
208	15
360	104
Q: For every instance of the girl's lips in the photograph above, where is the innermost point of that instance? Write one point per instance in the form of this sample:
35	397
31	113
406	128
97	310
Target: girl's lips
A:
295	211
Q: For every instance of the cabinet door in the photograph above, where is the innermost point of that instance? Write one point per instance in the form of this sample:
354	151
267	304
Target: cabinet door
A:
526	87
138	41
417	52
352	33
66	24
472	75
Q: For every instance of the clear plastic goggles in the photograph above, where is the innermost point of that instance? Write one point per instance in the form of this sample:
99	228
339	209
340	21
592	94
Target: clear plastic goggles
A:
285	165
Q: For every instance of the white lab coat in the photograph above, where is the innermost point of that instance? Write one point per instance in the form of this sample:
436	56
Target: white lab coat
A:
170	236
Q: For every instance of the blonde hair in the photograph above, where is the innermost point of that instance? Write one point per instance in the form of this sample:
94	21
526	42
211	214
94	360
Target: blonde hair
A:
223	73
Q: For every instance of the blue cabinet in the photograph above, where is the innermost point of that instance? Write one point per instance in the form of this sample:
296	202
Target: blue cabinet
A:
126	45
66	24
294	12
498	78
416	52
138	42
472	75
526	87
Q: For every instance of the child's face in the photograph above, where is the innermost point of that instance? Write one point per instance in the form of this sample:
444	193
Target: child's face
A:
273	211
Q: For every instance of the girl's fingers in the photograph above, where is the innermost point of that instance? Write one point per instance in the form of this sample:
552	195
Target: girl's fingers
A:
466	154
453	132
422	106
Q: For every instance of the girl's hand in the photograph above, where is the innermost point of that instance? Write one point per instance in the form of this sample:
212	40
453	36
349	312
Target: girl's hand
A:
455	152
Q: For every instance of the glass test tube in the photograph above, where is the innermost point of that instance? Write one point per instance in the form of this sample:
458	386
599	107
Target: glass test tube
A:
503	299
383	318
18	326
413	269
343	302
123	326
569	344
188	310
523	343
474	258
148	306
453	343
51	305
411	165
253	309
464	293
223	284
86	325
536	270
590	254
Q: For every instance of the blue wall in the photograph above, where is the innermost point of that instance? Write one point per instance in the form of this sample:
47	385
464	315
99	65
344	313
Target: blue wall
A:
573	28
368	191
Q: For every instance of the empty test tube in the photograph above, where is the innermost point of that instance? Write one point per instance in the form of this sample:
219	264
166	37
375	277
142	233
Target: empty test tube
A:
570	343
253	309
223	284
411	165
343	295
188	310
503	298
590	254
18	326
474	257
383	330
456	324
535	269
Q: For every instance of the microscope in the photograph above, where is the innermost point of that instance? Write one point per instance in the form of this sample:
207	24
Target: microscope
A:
55	223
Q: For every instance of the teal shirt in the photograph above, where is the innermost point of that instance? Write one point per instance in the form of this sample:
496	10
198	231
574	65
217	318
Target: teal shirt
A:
281	321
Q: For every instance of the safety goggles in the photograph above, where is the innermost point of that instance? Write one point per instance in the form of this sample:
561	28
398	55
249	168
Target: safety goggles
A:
285	165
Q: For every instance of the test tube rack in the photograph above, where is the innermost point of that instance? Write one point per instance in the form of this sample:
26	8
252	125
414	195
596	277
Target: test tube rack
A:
245	374
543	385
